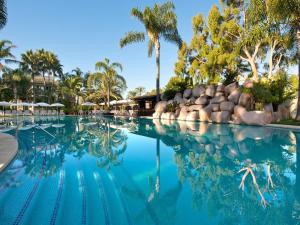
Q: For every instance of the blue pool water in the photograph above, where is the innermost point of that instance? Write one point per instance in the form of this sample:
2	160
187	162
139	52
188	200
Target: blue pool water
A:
139	172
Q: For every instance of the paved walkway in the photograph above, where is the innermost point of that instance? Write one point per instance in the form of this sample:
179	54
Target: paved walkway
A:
8	149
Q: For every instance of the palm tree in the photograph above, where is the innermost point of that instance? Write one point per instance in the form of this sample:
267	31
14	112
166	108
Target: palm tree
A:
72	86
107	81
140	91
30	64
5	51
3	13
159	22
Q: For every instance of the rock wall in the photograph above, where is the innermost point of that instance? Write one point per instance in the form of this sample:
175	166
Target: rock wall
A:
219	104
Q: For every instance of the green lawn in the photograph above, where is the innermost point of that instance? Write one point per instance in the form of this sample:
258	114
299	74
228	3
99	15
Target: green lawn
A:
289	122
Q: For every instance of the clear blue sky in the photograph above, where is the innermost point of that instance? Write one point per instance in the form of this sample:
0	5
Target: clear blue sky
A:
82	32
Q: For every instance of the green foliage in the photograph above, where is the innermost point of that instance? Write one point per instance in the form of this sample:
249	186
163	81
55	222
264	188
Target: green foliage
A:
276	91
172	107
176	84
138	91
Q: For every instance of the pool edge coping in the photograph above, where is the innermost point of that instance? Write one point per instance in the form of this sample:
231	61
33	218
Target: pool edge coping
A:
8	150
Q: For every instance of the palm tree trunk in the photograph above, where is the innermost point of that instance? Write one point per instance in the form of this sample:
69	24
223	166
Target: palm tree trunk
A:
108	96
157	185
298	102
32	86
157	49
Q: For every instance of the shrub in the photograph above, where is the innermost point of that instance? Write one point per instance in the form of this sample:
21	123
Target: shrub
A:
276	90
176	84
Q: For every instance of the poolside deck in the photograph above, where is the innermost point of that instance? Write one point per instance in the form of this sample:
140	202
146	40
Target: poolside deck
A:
8	149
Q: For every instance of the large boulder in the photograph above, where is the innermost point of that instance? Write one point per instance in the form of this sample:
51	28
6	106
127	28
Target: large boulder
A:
178	98
245	100
204	114
201	100
170	102
227	106
161	106
198	90
215	107
195	108
157	115
219	94
217	100
268	108
221	88
248	84
210	91
183	113
220	117
192	100
187	93
231	87
234	96
284	111
252	117
192	116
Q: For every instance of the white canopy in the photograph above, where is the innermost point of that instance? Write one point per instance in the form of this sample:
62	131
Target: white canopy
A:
4	103
88	104
43	104
57	105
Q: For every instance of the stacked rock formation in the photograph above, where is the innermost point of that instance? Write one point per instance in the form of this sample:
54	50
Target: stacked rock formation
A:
219	104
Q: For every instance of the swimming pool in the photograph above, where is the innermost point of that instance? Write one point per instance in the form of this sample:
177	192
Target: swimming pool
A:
120	171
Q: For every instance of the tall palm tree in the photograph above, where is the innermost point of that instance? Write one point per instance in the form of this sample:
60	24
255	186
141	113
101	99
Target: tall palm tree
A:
6	56
30	64
3	13
107	81
72	86
159	22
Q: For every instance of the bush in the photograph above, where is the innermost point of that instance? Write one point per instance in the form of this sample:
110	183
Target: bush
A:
276	90
172	107
175	85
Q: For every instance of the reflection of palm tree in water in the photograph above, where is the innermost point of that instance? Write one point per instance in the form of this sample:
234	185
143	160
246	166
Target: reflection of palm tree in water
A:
110	145
296	205
160	207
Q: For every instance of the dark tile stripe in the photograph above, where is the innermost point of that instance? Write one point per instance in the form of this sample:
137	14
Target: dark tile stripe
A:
103	198
58	198
30	196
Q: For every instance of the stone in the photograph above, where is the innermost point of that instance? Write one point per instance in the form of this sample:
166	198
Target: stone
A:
231	87
170	102
220	117
192	100
217	99
161	106
198	90
234	96
215	107
187	93
183	114
284	111
245	100
157	115
177	112
219	94
204	114
178	98
201	100
210	90
248	84
252	117
195	108
192	116
227	106
221	88
268	108
178	95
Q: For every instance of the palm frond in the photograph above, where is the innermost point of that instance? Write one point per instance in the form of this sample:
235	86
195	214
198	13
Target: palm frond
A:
3	13
132	37
173	37
138	14
150	47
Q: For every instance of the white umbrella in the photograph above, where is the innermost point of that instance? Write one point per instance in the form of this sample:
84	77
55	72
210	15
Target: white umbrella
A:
43	104
4	104
88	104
57	105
